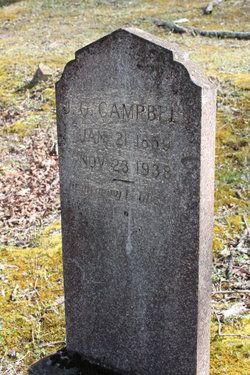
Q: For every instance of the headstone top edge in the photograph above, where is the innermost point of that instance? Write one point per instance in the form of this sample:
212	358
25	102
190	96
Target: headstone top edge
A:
196	74
180	55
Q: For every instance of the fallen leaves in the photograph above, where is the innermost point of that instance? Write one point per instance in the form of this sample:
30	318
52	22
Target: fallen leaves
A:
29	193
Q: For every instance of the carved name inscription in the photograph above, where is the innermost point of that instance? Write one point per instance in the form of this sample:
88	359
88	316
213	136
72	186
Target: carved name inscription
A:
107	110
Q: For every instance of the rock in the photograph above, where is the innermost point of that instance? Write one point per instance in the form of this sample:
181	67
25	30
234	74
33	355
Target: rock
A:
43	73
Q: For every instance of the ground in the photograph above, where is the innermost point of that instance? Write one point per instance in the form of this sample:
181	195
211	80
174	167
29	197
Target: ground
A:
49	32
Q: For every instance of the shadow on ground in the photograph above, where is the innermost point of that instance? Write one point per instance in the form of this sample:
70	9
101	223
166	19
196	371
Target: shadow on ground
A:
7	2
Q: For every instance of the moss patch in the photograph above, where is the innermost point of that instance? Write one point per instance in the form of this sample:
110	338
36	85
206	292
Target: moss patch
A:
31	309
20	128
230	355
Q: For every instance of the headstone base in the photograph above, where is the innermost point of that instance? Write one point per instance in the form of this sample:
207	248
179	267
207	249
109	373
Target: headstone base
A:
65	363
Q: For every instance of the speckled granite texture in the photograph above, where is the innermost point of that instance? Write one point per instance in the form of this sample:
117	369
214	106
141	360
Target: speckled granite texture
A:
136	130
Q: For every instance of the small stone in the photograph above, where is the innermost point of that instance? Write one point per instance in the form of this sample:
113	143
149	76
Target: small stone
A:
43	73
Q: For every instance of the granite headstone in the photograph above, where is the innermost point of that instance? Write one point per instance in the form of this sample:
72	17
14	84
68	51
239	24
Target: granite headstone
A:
136	130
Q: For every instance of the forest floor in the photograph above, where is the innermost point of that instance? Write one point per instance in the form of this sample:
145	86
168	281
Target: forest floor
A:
31	286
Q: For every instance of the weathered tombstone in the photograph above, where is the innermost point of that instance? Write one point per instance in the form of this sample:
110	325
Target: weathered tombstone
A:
136	126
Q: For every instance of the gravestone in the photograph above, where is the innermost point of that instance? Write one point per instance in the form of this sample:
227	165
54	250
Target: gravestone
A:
136	129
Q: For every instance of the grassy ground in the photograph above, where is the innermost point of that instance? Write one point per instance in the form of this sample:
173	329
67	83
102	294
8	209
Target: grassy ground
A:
49	31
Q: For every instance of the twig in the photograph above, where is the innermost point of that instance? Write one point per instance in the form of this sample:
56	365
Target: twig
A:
49	344
234	335
209	33
219	324
241	240
12	367
245	222
14	293
9	266
230	264
33	336
220	334
243	291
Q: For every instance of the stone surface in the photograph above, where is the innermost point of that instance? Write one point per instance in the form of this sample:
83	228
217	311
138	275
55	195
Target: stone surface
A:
64	363
136	126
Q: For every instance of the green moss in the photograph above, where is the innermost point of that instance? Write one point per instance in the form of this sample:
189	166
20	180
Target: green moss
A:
50	238
231	177
22	129
48	99
220	237
232	144
227	230
29	298
230	355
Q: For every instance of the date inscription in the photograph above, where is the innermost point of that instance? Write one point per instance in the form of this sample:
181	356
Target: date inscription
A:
124	139
124	168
